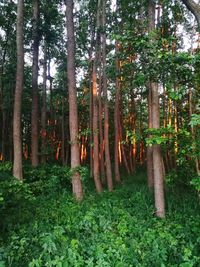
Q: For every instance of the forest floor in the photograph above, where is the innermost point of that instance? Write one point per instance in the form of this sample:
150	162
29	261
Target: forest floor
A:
41	225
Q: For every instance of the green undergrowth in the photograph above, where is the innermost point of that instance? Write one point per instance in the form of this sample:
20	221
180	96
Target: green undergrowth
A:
42	225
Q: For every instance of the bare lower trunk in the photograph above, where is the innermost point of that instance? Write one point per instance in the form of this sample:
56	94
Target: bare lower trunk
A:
158	182
73	112
124	158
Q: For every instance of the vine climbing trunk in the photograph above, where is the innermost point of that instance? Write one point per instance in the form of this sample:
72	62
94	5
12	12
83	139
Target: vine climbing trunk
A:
73	112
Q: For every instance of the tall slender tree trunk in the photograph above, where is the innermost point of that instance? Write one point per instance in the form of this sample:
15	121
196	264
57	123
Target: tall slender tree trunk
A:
63	155
44	112
17	139
91	130
4	133
2	105
156	149
192	128
157	157
124	158
176	131
95	107
90	72
150	173
73	112
105	94
101	134
95	134
116	115
34	113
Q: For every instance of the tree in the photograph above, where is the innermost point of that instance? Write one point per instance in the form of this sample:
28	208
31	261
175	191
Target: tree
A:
44	111
34	113
73	114
17	140
95	112
154	118
105	94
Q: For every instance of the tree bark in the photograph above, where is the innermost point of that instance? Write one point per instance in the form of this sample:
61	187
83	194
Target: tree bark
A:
194	8
105	94
44	112
101	135
34	113
17	140
2	105
73	112
63	155
157	157
116	115
154	115
192	130
95	107
150	173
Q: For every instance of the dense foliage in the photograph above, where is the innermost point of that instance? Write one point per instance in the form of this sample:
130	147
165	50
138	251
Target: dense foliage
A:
43	226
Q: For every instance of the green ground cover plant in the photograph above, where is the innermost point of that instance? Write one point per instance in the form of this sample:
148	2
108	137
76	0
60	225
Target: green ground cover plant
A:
42	225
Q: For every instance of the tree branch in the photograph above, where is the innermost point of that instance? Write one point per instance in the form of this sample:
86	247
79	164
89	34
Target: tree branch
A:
194	8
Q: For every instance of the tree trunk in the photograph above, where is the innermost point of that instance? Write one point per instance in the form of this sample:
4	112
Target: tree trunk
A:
192	130
150	173
73	112
34	113
95	107
116	115
17	140
154	115
105	94
101	135
2	105
157	157
44	112
91	129
63	155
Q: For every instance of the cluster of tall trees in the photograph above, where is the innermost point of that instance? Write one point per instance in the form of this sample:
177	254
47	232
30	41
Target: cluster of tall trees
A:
104	83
